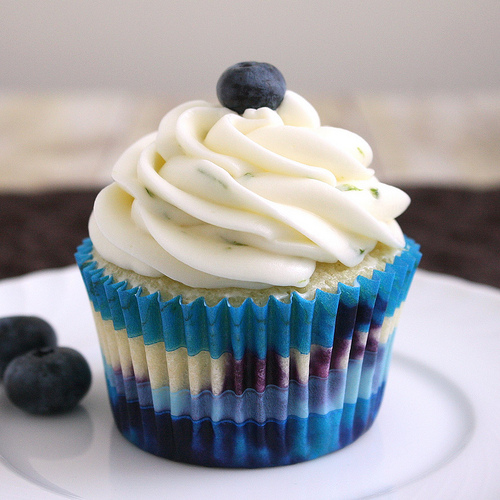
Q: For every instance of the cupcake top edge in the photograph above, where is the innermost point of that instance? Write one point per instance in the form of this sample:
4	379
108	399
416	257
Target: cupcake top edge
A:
252	192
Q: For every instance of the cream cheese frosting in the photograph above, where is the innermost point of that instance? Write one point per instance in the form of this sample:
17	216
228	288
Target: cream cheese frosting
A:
215	199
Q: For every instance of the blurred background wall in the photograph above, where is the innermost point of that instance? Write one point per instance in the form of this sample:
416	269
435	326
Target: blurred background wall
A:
181	47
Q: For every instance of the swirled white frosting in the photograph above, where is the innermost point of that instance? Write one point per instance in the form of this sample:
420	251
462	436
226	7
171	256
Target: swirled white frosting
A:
215	199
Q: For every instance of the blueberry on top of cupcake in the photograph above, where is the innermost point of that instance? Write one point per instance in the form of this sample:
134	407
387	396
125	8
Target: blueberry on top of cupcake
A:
251	85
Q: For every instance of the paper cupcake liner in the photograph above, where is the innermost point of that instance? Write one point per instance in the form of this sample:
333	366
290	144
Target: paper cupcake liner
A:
247	386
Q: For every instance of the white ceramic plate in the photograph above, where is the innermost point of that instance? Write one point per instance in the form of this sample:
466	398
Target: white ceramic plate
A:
437	434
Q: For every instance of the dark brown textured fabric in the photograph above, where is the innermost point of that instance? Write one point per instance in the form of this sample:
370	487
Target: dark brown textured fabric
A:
42	230
459	230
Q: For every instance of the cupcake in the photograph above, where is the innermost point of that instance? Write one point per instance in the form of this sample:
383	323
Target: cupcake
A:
246	274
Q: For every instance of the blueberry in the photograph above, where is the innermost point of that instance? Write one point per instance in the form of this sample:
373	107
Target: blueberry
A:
20	334
47	380
251	85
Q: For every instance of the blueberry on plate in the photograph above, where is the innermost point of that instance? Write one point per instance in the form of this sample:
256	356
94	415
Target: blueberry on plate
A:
251	85
20	334
48	380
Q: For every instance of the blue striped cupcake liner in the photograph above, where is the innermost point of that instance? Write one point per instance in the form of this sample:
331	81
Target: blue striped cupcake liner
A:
247	386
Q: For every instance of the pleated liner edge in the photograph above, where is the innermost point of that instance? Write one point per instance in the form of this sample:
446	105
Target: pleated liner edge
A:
347	324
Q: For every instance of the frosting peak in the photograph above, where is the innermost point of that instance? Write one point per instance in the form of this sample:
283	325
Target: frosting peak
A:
216	199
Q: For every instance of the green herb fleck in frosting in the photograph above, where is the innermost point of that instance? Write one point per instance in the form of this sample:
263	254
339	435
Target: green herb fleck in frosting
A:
348	187
212	177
